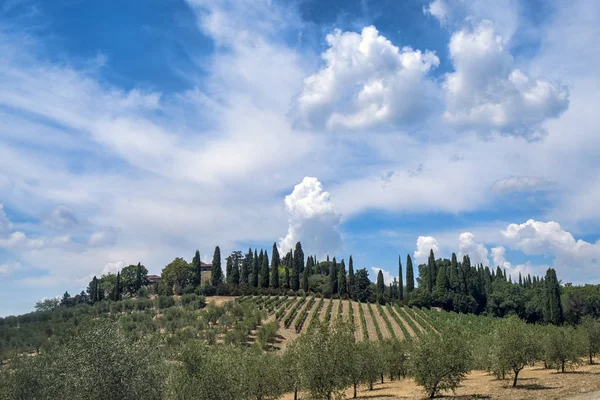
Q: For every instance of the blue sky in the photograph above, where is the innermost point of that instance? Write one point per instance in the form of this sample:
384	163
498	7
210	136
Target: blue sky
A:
371	128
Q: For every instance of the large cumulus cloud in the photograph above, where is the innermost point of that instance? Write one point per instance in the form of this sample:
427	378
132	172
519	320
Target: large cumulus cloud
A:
313	219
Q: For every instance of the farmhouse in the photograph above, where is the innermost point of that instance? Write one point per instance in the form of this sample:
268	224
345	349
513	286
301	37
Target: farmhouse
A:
205	274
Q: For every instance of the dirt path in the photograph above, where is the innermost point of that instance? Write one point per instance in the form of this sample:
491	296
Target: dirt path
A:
395	326
334	311
411	332
535	383
324	310
370	323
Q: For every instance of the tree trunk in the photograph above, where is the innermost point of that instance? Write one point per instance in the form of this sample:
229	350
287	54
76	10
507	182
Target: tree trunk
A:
562	367
370	385
515	379
382	378
295	393
591	359
354	391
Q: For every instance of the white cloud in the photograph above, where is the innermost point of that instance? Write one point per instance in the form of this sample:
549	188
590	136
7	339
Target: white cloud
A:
520	184
424	245
487	93
498	257
112	267
313	219
440	9
477	252
103	237
62	218
7	269
367	82
5	224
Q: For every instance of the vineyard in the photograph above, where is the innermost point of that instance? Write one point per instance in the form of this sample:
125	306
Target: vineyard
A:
374	322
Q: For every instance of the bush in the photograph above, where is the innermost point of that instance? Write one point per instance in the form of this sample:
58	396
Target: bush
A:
163	302
187	298
267	334
143	304
142	292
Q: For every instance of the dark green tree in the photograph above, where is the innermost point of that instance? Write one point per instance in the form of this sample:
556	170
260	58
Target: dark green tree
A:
93	290
246	267
228	268
431	271
553	312
380	287
255	270
197	267
117	289
342	280
217	271
264	271
351	279
400	280
410	275
333	277
236	260
304	285
275	262
453	275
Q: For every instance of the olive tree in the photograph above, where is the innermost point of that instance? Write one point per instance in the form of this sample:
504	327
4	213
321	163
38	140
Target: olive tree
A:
440	361
591	336
513	346
324	370
564	347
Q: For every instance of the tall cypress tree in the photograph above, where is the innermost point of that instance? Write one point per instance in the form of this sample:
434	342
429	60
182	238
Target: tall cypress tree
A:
294	271
264	271
217	272
310	265
197	270
342	281
287	277
410	275
552	310
304	284
380	284
351	279
333	276
93	290
275	261
246	267
255	269
442	284
400	280
453	274
235	267
228	268
299	258
431	271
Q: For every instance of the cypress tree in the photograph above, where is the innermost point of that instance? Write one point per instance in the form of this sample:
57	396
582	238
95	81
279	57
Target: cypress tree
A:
333	276
453	274
228	268
197	270
410	276
275	261
520	279
465	273
264	271
442	284
287	277
94	290
235	267
304	284
255	269
431	271
139	277
351	279
246	267
299	258
342	281
552	311
400	281
217	272
380	284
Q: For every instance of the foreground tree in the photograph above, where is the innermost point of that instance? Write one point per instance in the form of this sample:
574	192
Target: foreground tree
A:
514	345
100	359
591	336
323	365
563	347
441	362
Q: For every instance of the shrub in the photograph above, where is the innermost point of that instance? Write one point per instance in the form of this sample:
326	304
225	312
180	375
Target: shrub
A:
142	292
187	298
163	302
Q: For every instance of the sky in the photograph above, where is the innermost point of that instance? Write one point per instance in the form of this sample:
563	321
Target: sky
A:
377	129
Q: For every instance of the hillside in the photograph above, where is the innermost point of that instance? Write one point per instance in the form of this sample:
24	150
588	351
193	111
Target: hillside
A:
374	322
